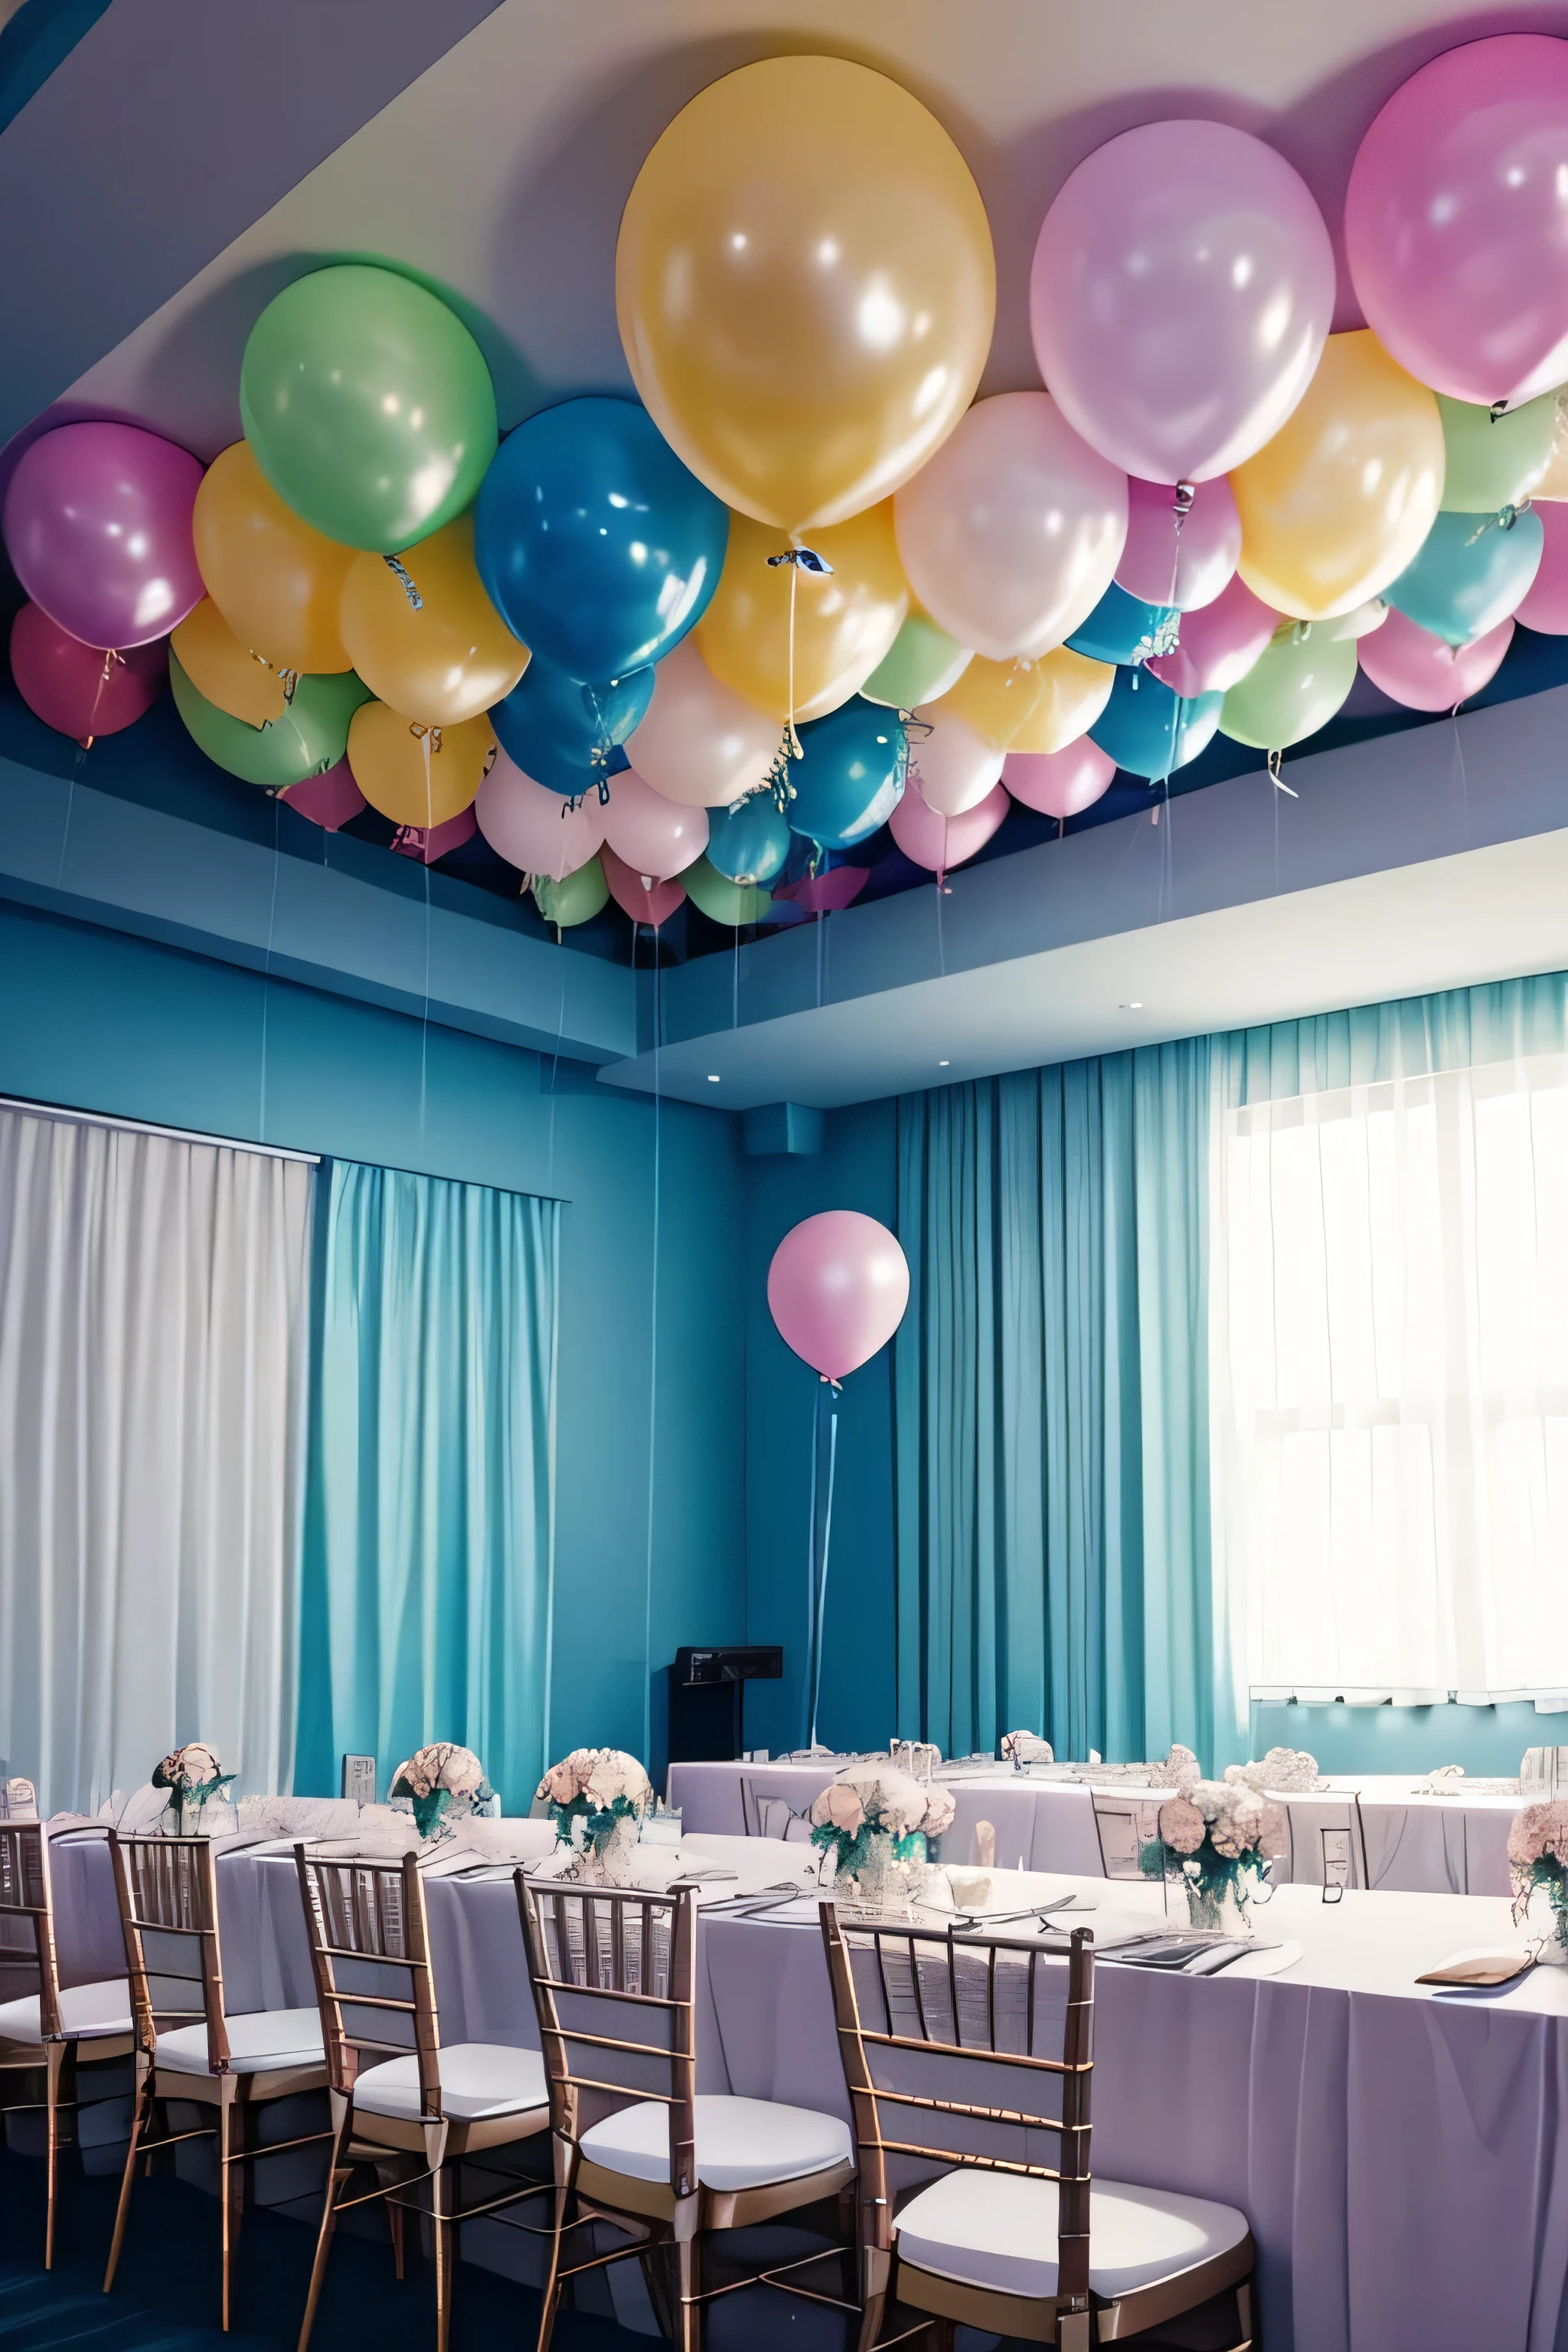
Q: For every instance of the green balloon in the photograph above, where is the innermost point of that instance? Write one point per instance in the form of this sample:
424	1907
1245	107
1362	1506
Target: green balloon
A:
733	904
1294	687
577	899
369	407
1488	465
920	663
311	736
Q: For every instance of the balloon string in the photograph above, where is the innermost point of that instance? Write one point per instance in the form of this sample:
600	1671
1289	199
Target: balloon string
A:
822	1578
794	585
1275	760
811	1552
110	659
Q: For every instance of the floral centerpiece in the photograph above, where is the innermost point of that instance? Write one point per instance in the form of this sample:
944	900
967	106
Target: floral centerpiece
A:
1538	1865
439	1784
1214	1833
1179	1769
1021	1748
875	1822
1292	1769
193	1776
596	1797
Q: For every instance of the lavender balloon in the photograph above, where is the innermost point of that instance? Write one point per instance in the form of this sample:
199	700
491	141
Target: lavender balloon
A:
98	525
1182	293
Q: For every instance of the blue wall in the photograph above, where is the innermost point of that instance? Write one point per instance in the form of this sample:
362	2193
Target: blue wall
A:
104	1021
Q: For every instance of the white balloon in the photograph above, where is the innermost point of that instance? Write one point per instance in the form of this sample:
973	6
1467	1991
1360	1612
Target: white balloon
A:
532	829
1012	533
954	766
652	834
701	743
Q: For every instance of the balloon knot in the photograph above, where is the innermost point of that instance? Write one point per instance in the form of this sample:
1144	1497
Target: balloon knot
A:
421	733
1275	760
912	725
415	600
1498	411
828	1382
1301	633
1181	504
804	559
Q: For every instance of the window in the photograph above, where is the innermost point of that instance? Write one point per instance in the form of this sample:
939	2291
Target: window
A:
1389	1360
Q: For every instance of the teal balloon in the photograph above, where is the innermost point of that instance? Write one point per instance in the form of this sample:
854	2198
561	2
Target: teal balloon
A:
1122	628
1470	573
751	841
1150	731
1296	685
311	736
567	736
850	777
368	404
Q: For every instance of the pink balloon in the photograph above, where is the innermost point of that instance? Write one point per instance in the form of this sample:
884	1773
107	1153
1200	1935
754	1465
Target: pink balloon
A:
656	835
1425	673
644	897
1219	645
838	1289
1059	783
939	842
535	830
331	798
955	768
79	690
1010	534
701	743
98	526
1544	605
1187	567
1457	220
1182	294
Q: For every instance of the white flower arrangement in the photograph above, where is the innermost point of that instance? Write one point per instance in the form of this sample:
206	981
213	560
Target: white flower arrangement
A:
439	1779
1217	1829
1538	1858
1290	1771
873	1801
192	1775
1179	1769
601	1788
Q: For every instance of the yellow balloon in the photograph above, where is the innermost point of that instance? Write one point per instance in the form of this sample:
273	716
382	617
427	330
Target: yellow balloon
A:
415	775
424	636
230	676
1337	504
806	287
997	698
1554	483
844	622
1074	692
275	581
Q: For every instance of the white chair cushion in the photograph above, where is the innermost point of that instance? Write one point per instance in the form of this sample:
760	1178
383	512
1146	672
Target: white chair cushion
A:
478	2080
740	2143
86	2012
994	2229
265	2041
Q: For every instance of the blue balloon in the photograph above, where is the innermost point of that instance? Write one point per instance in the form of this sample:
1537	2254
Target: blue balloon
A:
595	544
1151	731
565	735
851	776
751	841
1122	628
1469	574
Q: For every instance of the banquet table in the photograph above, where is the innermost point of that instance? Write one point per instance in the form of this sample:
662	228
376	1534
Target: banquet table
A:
1397	2149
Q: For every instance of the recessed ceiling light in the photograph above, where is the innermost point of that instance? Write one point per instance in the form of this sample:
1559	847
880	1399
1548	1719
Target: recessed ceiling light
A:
942	1065
712	1077
1136	1005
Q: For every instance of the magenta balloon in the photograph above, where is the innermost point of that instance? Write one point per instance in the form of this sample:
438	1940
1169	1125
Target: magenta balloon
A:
79	690
657	836
1187	567
939	842
534	829
1425	673
97	528
1059	783
1219	645
1457	220
838	1289
644	897
1182	293
1544	605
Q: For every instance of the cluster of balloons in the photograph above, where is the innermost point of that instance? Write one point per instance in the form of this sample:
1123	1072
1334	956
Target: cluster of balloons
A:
807	584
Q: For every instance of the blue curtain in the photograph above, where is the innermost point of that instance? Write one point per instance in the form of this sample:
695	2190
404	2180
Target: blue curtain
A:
1051	1408
1460	1029
427	1568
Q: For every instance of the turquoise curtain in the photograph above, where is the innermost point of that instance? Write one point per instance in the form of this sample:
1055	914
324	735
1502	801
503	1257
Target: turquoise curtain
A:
425	1577
1461	1029
1051	1408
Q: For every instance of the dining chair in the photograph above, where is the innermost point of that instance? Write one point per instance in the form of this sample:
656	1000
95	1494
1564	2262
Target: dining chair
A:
188	2046
1128	1829
771	1808
415	2102
637	2144
969	2062
48	2031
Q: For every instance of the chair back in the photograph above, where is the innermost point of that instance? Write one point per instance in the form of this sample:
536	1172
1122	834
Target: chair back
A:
1128	1828
967	2051
167	1889
370	1955
611	1969
28	1961
771	1808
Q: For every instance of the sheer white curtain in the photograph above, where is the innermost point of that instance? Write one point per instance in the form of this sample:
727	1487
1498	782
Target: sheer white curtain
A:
153	1341
1389	1373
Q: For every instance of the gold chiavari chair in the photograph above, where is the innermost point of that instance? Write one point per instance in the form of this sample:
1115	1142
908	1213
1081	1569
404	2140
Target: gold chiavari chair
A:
188	2047
637	2144
414	2101
44	2031
969	2064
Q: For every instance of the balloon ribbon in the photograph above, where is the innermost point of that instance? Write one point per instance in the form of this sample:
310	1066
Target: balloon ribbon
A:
799	559
822	1576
